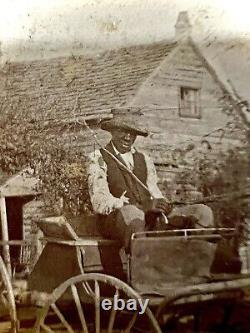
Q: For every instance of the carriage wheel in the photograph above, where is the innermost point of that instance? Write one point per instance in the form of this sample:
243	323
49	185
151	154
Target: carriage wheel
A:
85	295
223	315
7	296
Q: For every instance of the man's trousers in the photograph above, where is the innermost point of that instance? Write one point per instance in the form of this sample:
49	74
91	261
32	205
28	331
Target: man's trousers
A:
123	222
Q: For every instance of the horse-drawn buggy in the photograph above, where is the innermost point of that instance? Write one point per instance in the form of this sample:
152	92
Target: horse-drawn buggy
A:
166	282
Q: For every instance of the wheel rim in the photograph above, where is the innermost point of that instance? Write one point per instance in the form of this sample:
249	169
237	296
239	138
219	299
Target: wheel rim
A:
87	292
7	296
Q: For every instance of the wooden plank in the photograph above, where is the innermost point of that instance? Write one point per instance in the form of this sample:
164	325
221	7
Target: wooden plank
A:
5	234
182	75
16	242
82	242
190	68
180	80
57	227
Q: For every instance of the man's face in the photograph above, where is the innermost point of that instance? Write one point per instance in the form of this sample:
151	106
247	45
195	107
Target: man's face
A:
123	140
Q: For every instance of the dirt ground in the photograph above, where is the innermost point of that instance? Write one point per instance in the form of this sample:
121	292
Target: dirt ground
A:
27	316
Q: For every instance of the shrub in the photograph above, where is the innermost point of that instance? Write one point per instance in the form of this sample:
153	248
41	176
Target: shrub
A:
222	180
28	142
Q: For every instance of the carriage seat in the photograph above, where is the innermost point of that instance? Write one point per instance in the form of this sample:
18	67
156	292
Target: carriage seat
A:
81	228
73	246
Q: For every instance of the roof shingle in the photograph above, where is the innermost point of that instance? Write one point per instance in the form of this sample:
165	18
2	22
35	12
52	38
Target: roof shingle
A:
108	79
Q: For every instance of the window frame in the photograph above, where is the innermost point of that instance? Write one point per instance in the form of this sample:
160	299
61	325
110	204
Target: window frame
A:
197	102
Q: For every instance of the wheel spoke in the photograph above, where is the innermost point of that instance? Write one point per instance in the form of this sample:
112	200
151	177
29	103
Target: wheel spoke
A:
47	328
61	317
92	285
79	308
153	320
40	319
4	300
131	323
88	289
112	315
97	307
4	276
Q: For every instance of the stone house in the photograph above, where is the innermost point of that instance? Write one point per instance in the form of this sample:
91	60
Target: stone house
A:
184	98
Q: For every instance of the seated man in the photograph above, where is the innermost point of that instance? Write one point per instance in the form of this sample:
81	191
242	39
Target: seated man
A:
130	203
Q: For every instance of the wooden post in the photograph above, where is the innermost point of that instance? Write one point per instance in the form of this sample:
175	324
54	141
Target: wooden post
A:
5	234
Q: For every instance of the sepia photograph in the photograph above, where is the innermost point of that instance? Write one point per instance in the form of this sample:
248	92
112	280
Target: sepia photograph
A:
124	166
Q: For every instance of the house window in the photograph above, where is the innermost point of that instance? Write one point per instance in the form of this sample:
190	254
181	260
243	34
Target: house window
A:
189	102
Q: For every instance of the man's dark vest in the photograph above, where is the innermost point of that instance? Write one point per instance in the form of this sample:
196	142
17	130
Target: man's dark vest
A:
119	180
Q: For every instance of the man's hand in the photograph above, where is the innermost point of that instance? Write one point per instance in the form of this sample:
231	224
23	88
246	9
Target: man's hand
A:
159	205
182	222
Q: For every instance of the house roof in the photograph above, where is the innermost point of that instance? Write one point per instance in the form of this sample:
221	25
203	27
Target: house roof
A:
19	185
50	87
99	82
3	177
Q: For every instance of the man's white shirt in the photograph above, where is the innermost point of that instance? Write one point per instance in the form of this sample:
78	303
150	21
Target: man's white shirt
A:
126	157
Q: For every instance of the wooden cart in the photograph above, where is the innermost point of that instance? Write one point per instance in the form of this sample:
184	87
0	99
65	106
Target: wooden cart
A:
74	275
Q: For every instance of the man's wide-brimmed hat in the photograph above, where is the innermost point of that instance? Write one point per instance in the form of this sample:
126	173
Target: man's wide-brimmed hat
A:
126	118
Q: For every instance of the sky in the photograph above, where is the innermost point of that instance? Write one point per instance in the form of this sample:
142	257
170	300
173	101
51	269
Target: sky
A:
43	28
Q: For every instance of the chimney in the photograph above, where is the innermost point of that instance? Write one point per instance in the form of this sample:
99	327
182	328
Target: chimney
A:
182	27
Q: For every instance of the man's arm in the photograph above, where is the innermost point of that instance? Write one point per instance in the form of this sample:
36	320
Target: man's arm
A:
103	202
158	202
152	179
